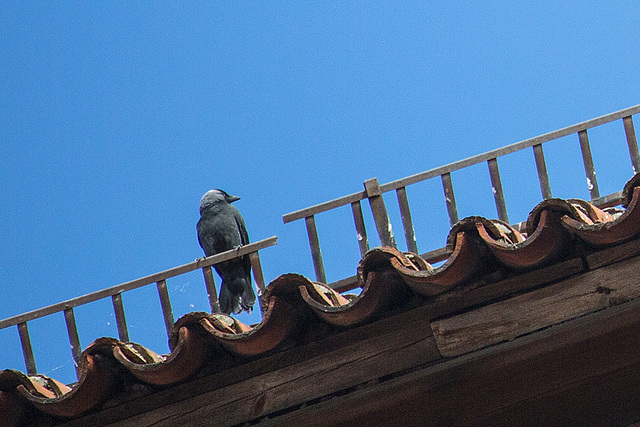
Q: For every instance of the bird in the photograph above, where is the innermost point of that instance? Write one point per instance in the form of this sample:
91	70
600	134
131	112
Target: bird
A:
222	228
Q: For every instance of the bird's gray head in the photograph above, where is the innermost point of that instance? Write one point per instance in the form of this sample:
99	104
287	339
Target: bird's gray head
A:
212	197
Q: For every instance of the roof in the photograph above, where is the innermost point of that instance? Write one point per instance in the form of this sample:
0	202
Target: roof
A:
410	319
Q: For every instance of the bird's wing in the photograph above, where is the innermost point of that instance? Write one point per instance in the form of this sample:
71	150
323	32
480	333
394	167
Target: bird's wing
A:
204	239
244	236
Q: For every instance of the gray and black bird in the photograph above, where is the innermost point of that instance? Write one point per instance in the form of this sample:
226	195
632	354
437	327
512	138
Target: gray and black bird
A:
221	228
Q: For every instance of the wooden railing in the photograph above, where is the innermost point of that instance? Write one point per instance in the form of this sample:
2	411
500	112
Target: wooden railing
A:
115	292
373	191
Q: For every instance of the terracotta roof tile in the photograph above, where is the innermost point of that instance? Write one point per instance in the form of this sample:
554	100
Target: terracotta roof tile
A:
185	359
557	231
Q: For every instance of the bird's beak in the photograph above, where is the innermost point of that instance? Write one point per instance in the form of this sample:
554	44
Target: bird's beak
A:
232	199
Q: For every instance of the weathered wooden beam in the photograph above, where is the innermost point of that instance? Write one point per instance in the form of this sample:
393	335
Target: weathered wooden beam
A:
538	309
540	379
482	293
286	379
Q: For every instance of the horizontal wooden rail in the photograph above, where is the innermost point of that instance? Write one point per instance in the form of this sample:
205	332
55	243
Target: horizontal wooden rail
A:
480	158
137	283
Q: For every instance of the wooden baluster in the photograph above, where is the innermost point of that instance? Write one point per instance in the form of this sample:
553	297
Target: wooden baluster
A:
407	223
592	182
498	194
379	211
449	198
316	253
165	304
27	350
211	290
361	231
541	166
74	339
256	266
121	321
630	132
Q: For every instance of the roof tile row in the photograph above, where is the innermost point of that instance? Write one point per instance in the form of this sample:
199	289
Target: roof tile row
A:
555	230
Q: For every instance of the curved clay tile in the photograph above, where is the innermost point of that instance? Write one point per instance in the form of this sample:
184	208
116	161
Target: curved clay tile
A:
185	359
377	291
37	385
12	409
614	231
540	247
463	262
277	323
95	383
577	209
627	191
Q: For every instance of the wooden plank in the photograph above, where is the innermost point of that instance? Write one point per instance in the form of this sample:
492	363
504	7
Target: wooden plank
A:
630	133
407	223
477	294
316	252
74	338
268	393
589	169
361	230
449	198
323	207
541	379
613	255
538	309
137	283
165	304
379	211
272	383
496	187
121	320
27	350
541	167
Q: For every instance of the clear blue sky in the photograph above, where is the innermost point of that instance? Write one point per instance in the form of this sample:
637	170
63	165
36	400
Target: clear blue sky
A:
117	117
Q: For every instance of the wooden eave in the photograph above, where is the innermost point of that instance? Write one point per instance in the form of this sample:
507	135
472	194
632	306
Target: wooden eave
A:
566	354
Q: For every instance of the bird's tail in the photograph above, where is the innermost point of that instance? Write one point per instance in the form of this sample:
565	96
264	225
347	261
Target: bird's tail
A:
236	295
